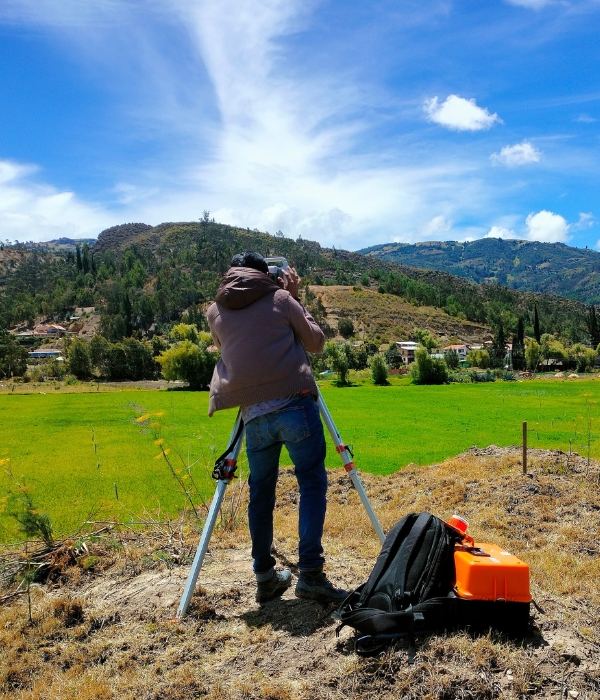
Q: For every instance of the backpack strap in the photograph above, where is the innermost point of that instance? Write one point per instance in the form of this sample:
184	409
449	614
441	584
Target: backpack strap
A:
417	532
428	616
375	622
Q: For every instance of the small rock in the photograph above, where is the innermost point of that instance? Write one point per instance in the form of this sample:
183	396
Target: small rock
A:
573	693
571	658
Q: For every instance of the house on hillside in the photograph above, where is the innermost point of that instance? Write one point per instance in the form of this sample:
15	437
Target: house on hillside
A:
461	350
50	329
43	352
407	350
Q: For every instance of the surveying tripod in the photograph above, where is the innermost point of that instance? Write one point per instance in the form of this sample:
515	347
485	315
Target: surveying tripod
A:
224	473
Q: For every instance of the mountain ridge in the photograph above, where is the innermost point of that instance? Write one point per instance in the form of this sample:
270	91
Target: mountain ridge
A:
526	266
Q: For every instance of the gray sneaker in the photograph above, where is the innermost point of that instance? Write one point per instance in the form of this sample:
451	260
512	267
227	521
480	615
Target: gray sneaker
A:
273	587
314	585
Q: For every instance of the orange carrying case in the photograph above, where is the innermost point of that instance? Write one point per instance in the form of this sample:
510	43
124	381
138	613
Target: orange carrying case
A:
486	571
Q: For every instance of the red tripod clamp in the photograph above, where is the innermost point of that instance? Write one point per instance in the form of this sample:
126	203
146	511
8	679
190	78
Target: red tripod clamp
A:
225	470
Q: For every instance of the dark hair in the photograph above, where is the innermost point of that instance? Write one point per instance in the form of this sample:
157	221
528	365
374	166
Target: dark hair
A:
250	259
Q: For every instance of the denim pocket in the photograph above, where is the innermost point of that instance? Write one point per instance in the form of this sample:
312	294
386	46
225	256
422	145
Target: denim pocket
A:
253	437
291	425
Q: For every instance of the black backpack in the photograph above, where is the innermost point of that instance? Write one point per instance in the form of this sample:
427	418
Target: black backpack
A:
410	590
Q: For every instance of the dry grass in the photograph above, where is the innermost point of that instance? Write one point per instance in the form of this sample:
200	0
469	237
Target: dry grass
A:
386	315
106	631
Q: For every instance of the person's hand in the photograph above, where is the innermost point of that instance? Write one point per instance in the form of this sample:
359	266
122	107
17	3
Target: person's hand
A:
291	281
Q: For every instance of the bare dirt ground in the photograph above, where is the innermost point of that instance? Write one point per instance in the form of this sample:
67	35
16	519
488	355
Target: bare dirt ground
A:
102	623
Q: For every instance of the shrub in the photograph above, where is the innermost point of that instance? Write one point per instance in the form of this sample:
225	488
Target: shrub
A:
188	362
98	348
346	327
481	376
158	345
13	358
184	331
56	369
458	378
427	369
585	358
116	362
360	359
423	336
80	363
139	360
379	370
452	359
532	354
479	358
393	357
337	360
32	523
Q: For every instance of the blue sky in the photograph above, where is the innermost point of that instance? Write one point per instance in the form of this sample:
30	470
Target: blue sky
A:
346	122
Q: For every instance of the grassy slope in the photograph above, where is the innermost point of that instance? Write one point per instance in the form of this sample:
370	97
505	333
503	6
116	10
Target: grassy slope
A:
392	317
48	438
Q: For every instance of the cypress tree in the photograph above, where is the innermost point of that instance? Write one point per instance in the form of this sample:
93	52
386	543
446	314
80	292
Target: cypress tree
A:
127	312
85	260
521	331
536	325
518	346
78	251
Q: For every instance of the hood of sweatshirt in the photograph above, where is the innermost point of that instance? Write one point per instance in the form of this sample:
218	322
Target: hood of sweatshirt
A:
242	286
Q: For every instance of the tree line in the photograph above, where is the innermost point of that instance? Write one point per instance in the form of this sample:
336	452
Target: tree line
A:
165	276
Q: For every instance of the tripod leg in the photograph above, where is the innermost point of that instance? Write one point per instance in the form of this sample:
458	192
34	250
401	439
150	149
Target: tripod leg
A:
342	449
209	525
202	548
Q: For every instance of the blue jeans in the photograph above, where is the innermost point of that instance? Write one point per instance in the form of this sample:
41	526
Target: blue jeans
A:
298	427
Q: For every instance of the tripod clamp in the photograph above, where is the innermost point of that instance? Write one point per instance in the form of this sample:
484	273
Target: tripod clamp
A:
224	469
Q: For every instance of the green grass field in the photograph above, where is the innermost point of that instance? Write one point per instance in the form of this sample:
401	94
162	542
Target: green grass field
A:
48	438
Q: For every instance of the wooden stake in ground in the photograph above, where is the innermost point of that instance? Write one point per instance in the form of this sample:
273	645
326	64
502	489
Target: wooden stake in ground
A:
525	448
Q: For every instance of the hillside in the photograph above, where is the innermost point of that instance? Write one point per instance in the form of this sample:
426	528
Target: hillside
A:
389	317
102	623
138	277
546	268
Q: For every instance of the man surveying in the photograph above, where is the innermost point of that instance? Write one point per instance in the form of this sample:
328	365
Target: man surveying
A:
263	331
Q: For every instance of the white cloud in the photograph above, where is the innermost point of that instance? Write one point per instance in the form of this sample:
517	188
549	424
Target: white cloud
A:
548	227
500	232
460	114
585	221
286	148
32	211
10	171
127	193
585	119
520	154
532	4
437	227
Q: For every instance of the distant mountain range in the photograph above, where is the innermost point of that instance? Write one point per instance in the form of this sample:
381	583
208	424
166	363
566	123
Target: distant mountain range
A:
546	268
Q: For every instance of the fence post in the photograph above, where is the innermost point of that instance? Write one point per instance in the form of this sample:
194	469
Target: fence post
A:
525	448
